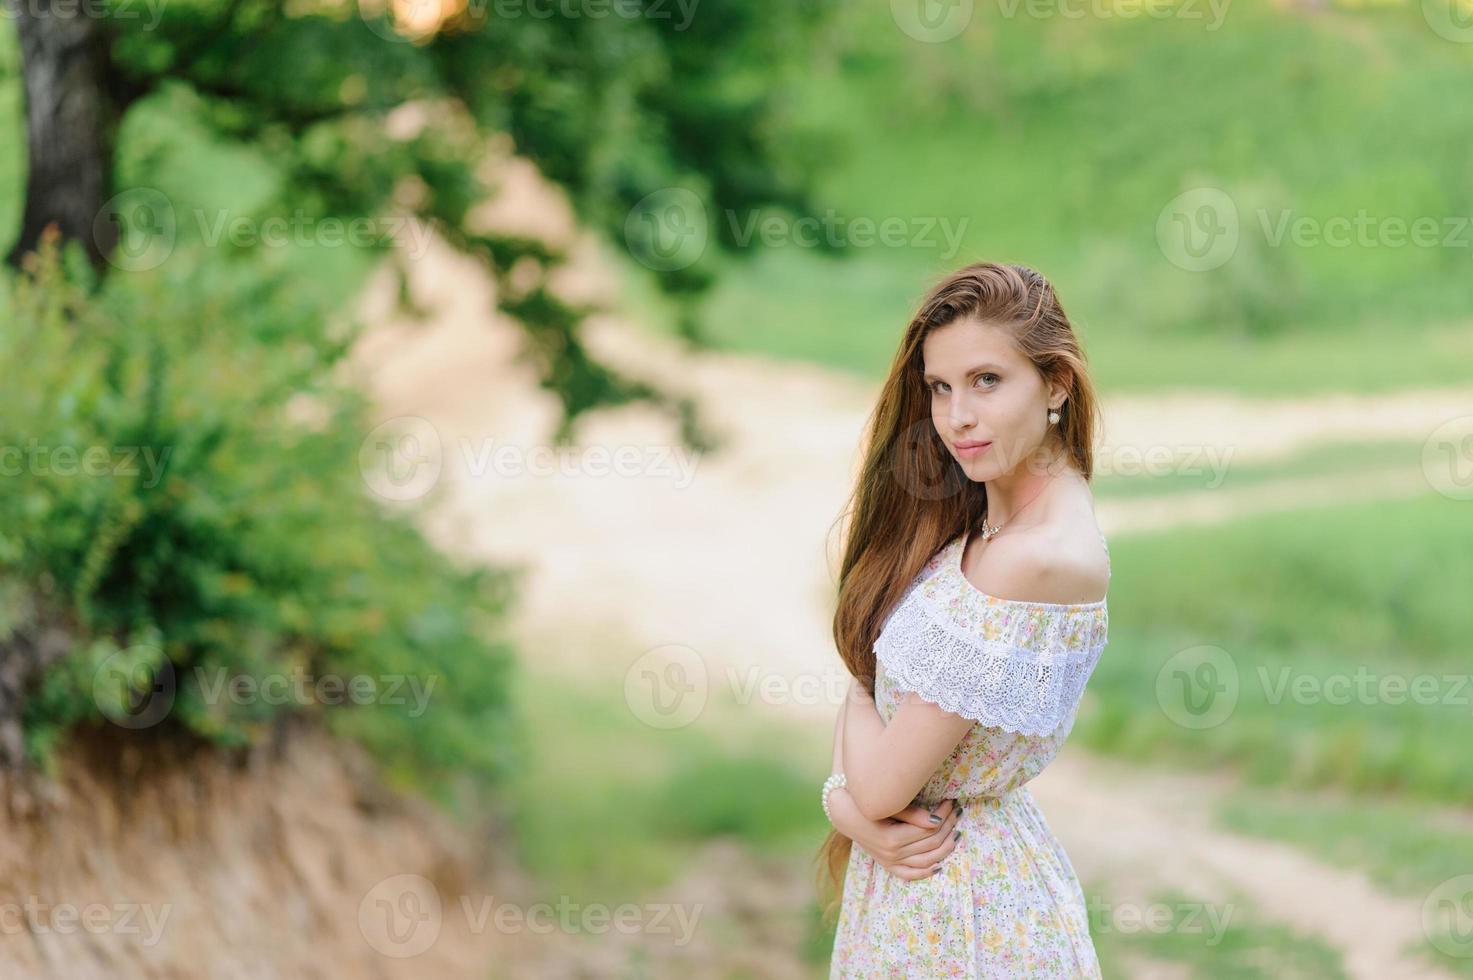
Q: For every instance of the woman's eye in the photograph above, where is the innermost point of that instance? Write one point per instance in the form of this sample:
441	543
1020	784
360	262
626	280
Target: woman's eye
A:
990	375
935	386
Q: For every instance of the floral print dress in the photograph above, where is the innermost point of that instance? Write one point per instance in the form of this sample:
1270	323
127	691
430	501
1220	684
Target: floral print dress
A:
1006	902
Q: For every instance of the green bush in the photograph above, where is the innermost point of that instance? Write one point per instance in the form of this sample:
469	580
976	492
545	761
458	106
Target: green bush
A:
212	517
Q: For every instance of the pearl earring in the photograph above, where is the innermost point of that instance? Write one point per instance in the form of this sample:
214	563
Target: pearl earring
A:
1053	417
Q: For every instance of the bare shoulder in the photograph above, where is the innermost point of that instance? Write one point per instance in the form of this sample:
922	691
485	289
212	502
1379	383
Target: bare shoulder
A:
1053	564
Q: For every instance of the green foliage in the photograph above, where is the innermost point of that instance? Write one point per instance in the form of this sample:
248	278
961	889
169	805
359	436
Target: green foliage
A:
228	532
354	116
756	797
1059	140
183	480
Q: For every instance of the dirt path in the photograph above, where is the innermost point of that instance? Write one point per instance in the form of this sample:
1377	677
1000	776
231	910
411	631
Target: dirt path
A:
1141	830
730	554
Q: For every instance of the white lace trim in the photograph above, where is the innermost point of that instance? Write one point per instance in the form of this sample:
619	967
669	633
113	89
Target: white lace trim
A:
1005	663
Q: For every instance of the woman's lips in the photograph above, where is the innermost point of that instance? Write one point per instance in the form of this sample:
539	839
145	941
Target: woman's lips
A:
971	449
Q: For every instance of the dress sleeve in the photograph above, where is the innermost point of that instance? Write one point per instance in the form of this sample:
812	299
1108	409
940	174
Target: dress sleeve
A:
1008	664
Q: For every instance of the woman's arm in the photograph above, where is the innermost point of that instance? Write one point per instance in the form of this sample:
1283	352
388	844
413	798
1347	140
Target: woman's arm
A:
913	844
887	765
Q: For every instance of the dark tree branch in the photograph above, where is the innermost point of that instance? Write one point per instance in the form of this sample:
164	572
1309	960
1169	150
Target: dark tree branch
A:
70	122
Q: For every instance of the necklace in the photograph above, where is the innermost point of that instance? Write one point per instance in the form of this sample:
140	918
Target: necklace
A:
990	530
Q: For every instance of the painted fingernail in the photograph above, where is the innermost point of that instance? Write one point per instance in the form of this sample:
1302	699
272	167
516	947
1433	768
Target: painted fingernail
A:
936	869
957	835
935	818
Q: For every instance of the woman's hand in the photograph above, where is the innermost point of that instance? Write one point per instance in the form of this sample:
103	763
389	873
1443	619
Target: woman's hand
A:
909	845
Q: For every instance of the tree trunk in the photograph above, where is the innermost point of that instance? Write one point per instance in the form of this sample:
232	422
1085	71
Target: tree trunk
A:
69	124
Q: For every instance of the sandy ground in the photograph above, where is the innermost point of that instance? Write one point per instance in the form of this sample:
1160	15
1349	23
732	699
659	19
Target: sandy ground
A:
725	561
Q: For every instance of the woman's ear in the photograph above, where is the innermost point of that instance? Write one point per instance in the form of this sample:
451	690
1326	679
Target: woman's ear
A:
1058	391
1056	396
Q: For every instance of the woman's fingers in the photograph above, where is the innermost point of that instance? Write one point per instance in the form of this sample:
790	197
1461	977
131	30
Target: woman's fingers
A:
921	856
933	857
905	839
931	841
933	852
917	816
924	864
920	816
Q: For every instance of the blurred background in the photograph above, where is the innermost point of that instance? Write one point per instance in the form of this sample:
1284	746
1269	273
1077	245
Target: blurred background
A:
426	425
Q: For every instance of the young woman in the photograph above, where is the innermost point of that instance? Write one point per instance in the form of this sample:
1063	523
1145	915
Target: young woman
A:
971	613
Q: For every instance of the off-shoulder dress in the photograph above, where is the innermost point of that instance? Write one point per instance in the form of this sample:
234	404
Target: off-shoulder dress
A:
1006	902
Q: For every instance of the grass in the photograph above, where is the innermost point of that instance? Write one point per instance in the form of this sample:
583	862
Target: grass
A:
1212	941
1041	140
1300	604
610	809
1139	478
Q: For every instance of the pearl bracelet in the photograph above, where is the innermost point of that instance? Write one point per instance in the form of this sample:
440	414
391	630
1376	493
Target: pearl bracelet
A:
829	785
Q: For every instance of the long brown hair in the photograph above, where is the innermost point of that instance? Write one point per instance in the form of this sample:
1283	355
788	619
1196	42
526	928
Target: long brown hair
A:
911	496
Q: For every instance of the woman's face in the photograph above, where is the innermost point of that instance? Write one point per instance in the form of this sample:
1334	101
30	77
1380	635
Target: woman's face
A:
983	390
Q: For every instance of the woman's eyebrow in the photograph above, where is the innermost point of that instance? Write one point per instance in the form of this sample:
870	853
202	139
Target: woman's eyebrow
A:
928	376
